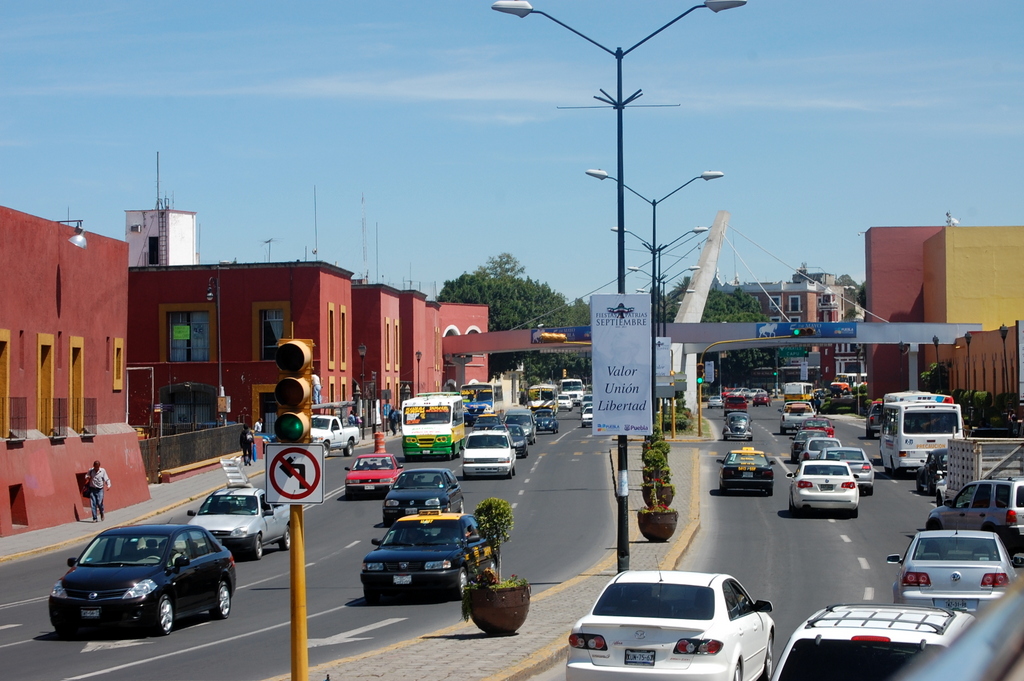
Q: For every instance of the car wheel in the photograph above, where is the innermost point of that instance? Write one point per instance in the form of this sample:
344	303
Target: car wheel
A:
327	447
917	486
770	491
223	607
285	542
462	506
933	524
371	597
257	547
738	674
854	513
164	616
794	512
456	593
769	661
350	447
65	631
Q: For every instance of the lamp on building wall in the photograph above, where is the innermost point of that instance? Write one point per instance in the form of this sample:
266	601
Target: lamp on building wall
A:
362	377
419	356
79	237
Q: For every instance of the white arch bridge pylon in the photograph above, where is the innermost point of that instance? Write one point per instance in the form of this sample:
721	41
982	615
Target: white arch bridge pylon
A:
689	340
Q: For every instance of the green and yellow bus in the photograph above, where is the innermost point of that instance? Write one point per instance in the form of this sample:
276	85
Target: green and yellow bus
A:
433	424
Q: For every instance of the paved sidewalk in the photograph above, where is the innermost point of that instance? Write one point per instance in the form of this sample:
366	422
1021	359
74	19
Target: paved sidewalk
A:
542	641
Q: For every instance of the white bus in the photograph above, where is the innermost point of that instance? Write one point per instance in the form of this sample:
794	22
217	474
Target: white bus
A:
433	425
573	387
542	396
914	423
479	398
798	391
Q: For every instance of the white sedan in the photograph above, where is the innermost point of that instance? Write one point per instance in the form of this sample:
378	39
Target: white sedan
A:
825	485
662	624
587	417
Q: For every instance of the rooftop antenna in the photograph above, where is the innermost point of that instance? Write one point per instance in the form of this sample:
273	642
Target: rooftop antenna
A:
267	242
315	238
366	265
158	180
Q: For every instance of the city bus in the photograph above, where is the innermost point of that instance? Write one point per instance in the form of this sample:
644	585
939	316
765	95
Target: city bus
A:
542	396
478	398
433	424
572	387
853	379
913	424
800	391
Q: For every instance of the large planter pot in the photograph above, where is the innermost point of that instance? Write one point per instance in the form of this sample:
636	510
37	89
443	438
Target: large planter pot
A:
658	495
499	612
657	525
650	474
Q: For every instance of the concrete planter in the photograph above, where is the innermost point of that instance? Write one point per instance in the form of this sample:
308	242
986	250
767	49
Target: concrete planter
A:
657	525
500	612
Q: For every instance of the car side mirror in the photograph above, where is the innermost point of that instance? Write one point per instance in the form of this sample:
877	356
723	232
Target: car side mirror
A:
375	541
947	502
720	460
893	559
191	513
780	411
473	538
347	468
72	562
1018	561
790	475
856	477
762	606
181	561
268	511
771	462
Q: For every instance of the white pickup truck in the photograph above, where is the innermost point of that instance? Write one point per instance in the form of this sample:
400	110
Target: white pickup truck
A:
334	433
793	416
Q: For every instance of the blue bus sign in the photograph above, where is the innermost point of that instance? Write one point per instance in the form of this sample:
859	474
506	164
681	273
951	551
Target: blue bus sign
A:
821	329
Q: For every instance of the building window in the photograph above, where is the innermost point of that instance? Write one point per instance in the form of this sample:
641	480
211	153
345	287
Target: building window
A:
154	250
190	336
795	320
776	305
794	304
343	336
271	330
118	367
775	319
330	337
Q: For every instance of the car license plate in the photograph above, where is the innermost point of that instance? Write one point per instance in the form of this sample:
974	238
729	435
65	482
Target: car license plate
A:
826	488
954	603
402	579
748	474
90	613
411	511
640	657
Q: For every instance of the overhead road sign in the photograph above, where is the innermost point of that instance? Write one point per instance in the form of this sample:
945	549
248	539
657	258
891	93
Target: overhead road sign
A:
811	329
565	334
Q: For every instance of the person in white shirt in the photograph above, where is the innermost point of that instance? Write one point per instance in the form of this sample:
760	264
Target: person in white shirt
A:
96	482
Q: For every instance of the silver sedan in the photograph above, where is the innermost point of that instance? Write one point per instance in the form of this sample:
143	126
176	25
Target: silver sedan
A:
858	461
956	570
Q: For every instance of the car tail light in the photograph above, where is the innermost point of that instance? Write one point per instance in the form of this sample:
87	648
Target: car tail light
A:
1011	517
866	467
698	646
917	579
804	484
769	474
849	485
903	455
995	579
878	639
588	641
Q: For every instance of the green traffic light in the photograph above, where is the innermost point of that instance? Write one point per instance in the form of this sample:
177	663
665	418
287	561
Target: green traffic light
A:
700	380
289	427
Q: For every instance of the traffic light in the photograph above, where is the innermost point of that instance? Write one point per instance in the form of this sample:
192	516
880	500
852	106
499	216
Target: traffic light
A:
294	390
805	331
700	373
563	373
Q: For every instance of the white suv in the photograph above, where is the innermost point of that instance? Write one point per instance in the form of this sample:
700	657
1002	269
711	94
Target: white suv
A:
865	640
489	452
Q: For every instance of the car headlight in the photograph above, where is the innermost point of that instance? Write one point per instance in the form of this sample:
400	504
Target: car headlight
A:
437	565
391	502
238	532
58	590
143	588
373	567
433	502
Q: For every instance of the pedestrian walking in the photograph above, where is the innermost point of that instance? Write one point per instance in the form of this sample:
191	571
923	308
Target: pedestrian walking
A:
96	483
394	418
245	443
258	426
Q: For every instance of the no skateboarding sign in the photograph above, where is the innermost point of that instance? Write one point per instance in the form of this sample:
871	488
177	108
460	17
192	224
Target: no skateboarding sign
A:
295	473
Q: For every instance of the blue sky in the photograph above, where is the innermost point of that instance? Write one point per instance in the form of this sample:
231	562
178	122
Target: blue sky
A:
827	117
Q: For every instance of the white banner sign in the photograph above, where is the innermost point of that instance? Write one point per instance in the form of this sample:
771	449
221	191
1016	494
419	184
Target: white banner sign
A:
663	357
620	328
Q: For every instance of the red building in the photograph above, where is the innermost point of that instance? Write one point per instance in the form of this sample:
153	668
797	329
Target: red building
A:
63	330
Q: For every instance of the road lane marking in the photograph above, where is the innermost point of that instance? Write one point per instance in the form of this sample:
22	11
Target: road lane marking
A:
831	520
9	626
350	636
526	482
218	642
514	504
24	602
351	544
845	538
863	563
17	643
93	646
521	492
869	593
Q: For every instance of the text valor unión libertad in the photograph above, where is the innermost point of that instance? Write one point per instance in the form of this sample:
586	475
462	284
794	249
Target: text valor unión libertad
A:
626	390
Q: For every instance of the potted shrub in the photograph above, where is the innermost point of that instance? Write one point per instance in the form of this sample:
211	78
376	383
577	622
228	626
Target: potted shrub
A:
657	522
497	606
658	492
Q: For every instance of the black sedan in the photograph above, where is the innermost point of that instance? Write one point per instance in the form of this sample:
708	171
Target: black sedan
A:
146	576
431	552
435	489
546	420
518	438
746	468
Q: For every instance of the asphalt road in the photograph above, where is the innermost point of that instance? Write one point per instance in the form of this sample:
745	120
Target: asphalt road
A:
563	524
799	564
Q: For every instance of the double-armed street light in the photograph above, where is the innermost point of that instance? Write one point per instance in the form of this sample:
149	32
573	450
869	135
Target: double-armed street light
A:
522	9
213	295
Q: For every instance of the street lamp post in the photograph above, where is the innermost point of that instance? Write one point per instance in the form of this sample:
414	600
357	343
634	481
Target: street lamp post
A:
1003	330
419	356
362	378
970	378
938	369
521	9
213	294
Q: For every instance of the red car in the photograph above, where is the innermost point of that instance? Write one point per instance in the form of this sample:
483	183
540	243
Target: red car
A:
735	403
821	424
371	474
762	400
